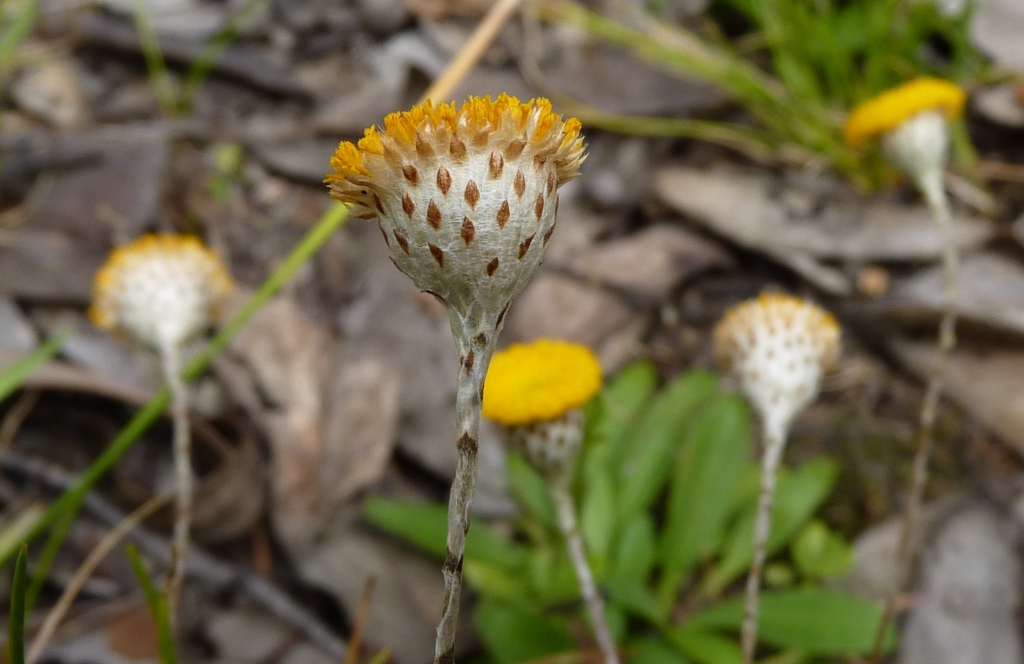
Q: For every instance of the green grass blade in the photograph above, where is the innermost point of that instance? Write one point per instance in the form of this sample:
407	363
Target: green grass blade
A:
16	622
13	376
49	553
163	86
157	605
331	221
15	33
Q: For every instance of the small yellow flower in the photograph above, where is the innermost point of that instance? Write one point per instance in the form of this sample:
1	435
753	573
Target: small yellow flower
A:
162	289
886	112
465	195
778	346
539	381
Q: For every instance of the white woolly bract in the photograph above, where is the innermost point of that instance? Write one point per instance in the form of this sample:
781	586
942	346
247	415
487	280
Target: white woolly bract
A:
778	346
919	146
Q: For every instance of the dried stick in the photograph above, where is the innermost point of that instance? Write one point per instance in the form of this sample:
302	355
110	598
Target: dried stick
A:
472	50
476	345
85	570
200	565
935	196
566	511
774	443
183	472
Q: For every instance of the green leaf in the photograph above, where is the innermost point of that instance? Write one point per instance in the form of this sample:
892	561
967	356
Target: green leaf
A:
16	621
598	513
815	620
530	490
707	478
704	646
652	443
820	553
157	606
13	376
621	400
653	650
496	582
634	556
552	575
798	495
425	526
514	634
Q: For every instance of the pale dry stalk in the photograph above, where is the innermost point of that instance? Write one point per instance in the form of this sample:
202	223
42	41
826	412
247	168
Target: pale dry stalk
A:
476	345
774	443
171	357
85	570
566	511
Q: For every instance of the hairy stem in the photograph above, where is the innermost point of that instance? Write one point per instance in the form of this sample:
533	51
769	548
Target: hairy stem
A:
774	442
934	194
183	473
566	510
475	343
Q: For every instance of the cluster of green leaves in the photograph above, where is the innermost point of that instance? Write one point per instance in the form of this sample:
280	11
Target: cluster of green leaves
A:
796	66
667	496
838	53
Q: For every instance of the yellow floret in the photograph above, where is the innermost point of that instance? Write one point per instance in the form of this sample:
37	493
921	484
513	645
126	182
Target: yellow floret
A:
539	381
880	115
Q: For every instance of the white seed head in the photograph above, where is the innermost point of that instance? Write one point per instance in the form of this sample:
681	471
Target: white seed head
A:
160	289
778	346
466	197
550	446
918	147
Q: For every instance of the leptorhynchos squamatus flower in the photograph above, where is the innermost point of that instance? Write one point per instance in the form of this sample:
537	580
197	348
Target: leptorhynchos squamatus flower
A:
163	290
466	197
778	347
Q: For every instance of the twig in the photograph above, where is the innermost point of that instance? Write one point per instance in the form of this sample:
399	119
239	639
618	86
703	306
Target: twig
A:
200	565
472	50
85	570
566	511
355	641
774	443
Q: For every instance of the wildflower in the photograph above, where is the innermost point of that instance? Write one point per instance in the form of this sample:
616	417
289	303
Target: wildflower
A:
911	121
466	198
160	289
163	290
778	346
539	381
536	390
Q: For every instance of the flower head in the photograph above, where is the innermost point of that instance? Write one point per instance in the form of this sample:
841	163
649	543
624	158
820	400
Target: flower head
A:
885	113
466	195
539	381
162	289
778	346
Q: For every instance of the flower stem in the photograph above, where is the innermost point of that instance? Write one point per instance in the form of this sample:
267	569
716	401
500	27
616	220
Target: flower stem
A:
476	345
566	510
183	471
934	194
774	443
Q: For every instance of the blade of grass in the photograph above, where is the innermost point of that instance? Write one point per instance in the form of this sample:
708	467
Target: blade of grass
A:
16	621
15	33
331	220
157	605
13	376
163	86
49	553
203	65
